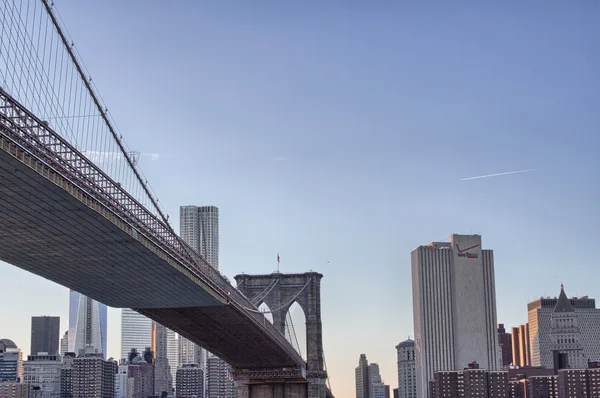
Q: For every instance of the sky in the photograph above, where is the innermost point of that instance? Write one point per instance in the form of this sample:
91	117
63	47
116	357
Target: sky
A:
340	136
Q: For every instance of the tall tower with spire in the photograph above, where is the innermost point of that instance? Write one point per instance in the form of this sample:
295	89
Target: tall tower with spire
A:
566	335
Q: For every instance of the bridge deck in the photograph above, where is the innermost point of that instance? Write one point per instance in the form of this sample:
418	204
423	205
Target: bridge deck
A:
47	230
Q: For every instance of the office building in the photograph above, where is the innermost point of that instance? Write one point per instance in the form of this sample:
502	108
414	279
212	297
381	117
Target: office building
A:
45	334
92	376
362	377
190	381
11	361
87	324
377	386
396	393
543	345
136	332
565	335
12	389
123	384
454	307
172	353
162	371
64	343
219	382
505	342
42	371
407	374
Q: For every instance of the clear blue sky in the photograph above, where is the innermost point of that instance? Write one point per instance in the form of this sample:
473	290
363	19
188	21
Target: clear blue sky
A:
339	132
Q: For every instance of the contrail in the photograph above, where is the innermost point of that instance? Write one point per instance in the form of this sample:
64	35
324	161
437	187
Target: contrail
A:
498	174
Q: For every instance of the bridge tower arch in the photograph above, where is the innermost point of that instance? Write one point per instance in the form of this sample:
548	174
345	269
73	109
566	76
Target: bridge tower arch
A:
279	291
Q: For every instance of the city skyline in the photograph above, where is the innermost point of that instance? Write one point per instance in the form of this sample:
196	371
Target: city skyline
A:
339	139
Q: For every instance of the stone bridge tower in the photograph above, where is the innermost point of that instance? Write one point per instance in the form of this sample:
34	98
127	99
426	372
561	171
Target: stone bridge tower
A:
279	291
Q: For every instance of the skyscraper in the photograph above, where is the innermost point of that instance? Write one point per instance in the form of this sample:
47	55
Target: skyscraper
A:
541	313
199	228
219	382
407	374
87	323
362	377
505	341
92	376
521	355
163	381
64	343
172	353
136	332
190	381
44	334
454	307
376	385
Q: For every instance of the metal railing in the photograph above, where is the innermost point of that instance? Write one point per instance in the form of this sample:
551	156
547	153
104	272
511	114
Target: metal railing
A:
35	137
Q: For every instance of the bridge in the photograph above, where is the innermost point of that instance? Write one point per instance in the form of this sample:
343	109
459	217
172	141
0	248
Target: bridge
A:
75	208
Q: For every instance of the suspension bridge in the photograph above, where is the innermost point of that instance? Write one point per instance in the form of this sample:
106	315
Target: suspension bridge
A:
75	208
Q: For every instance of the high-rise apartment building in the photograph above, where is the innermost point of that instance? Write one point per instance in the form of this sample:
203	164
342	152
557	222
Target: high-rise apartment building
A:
471	382
87	324
15	390
136	332
542	387
42	371
505	342
92	376
199	228
66	375
542	343
64	343
219	382
162	371
362	377
407	373
454	307
45	332
521	352
190	381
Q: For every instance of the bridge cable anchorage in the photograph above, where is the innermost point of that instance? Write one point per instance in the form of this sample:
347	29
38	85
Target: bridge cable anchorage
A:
283	306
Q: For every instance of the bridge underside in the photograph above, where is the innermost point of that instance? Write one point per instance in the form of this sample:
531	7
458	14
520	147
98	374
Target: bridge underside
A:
47	230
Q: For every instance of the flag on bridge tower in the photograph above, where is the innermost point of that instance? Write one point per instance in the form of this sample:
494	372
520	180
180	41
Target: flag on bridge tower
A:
278	258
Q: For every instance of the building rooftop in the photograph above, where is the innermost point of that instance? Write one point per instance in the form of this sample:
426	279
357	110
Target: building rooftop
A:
9	343
563	304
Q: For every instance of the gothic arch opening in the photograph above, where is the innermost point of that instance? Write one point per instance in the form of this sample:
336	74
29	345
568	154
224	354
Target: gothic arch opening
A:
295	328
263	307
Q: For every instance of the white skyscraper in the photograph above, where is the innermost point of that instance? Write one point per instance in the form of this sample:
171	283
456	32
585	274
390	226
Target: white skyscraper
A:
87	324
407	376
172	353
454	307
199	228
136	332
